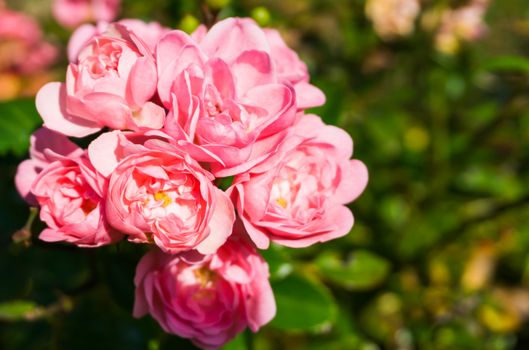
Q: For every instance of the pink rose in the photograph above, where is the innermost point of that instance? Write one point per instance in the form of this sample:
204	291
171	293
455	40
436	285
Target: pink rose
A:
71	13
110	84
43	140
224	95
150	33
70	195
11	24
296	198
208	299
158	194
291	69
22	48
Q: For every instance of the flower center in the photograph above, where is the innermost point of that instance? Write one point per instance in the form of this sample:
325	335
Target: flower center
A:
87	206
282	202
283	191
301	187
164	197
101	58
167	206
213	101
205	276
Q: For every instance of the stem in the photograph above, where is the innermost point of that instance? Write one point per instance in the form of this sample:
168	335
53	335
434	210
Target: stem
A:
248	337
66	300
498	210
455	233
64	304
210	16
512	108
24	234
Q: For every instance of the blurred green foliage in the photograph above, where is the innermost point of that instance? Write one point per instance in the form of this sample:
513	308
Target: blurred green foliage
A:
438	257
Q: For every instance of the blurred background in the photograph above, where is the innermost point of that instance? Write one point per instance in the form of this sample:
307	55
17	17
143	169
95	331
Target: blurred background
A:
436	97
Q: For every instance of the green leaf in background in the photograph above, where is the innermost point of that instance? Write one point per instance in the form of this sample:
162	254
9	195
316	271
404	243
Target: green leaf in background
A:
18	119
238	343
364	270
302	304
16	310
278	261
507	64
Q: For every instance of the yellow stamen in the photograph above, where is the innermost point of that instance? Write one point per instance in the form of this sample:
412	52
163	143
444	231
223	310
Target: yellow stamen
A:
204	276
162	196
282	202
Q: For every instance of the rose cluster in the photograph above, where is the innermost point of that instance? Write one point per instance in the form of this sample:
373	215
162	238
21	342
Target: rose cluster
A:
170	114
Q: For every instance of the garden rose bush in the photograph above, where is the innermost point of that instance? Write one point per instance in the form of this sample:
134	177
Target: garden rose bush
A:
176	115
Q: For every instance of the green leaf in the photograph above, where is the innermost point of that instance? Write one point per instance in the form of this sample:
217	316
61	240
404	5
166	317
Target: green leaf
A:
16	310
302	304
279	264
238	343
507	64
18	119
363	270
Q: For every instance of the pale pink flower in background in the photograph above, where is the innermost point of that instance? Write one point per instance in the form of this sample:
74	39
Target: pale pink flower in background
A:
227	95
23	53
71	13
393	18
60	180
461	24
208	299
297	197
158	194
22	48
109	84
